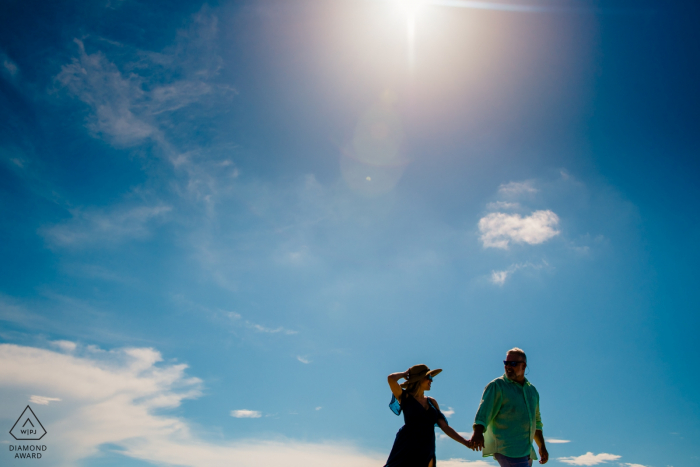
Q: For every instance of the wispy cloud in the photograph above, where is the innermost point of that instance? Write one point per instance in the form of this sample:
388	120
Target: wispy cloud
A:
118	397
517	188
89	227
557	441
42	400
9	67
277	330
244	413
98	82
589	459
449	412
496	205
633	465
499	277
499	229
303	359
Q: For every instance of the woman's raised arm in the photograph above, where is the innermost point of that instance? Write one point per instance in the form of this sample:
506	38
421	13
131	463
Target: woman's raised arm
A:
393	380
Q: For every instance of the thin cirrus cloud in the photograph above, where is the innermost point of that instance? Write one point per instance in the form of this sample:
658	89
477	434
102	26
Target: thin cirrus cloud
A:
87	228
499	230
117	397
517	188
557	441
244	413
303	359
43	400
589	459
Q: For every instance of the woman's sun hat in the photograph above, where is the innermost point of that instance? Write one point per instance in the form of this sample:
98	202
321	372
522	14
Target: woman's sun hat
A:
417	373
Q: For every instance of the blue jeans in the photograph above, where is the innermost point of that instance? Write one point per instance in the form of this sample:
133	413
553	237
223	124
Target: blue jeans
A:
504	461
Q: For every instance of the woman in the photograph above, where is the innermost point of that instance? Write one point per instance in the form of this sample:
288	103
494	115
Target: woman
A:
415	442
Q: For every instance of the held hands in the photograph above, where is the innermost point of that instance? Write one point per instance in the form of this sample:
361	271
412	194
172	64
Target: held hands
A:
476	443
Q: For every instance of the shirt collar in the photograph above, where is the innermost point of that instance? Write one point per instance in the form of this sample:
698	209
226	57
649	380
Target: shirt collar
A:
525	383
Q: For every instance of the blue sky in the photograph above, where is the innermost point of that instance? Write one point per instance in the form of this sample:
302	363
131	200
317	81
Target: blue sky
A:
222	225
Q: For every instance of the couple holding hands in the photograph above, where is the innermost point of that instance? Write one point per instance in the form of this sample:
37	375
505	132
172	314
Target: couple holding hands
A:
507	422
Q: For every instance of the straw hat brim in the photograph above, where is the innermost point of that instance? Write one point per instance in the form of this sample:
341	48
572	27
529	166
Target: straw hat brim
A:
419	377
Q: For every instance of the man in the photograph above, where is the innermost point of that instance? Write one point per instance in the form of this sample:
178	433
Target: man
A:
508	418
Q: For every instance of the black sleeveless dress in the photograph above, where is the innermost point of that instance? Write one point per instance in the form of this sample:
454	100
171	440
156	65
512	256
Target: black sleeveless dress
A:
414	445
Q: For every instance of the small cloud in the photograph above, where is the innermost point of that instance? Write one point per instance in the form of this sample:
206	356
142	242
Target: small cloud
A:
499	229
41	400
277	330
499	277
557	441
66	346
233	315
589	459
633	465
495	206
449	412
8	66
319	408
303	360
245	413
516	188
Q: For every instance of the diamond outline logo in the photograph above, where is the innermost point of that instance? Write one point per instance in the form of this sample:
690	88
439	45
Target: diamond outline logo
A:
29	419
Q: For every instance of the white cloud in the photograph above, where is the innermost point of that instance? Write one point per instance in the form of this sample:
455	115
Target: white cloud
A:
66	346
303	359
319	408
42	400
517	188
499	229
589	459
499	277
449	412
243	413
557	441
633	465
94	226
117	397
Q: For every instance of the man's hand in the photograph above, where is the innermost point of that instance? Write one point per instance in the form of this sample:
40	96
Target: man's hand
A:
477	439
539	439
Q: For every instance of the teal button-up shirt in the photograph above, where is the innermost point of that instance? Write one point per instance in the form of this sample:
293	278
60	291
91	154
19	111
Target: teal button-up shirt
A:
511	414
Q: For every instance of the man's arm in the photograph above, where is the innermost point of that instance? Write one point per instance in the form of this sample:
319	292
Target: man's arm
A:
488	408
539	439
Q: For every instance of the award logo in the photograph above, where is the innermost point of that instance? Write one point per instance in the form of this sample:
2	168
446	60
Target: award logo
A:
28	427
